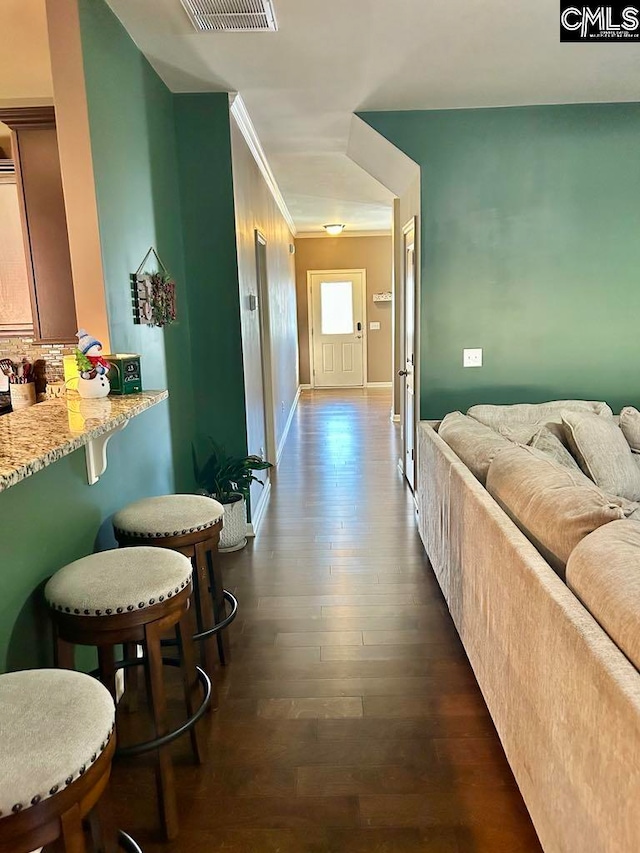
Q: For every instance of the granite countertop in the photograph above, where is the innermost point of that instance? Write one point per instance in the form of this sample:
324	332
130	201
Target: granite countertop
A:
32	438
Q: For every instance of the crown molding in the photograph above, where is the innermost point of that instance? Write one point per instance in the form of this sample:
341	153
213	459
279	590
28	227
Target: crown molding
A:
322	235
243	120
28	118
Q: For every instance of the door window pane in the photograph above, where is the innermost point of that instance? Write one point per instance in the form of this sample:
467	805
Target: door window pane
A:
336	306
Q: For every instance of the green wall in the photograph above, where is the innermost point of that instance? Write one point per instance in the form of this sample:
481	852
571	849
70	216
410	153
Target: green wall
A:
530	221
206	185
54	517
135	167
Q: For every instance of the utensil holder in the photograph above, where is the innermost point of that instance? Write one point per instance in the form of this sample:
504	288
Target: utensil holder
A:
22	396
55	390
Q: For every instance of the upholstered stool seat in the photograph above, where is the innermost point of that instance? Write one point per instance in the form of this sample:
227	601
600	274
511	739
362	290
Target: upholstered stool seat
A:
134	597
53	726
56	747
167	515
118	582
192	525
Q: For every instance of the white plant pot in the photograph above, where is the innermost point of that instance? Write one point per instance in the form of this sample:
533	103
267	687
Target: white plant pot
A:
234	529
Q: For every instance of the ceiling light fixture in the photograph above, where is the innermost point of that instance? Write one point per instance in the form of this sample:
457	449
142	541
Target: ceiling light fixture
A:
334	229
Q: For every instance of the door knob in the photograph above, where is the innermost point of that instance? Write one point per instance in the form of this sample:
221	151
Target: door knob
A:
403	373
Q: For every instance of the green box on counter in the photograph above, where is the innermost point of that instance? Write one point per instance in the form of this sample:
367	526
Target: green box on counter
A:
124	375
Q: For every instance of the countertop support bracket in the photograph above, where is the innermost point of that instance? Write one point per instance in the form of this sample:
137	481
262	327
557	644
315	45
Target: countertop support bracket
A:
96	454
37	436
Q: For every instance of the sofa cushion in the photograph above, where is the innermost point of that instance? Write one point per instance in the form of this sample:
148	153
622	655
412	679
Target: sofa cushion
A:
554	506
630	426
604	572
603	453
523	413
548	438
475	443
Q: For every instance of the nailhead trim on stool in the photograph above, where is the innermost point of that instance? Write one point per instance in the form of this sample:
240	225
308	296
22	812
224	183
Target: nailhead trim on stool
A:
167	515
118	581
53	726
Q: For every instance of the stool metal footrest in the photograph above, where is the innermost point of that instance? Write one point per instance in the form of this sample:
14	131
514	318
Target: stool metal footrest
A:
126	842
158	742
230	598
210	632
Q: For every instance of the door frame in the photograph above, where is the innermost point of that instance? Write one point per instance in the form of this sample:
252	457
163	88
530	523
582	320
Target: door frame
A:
412	223
262	286
365	337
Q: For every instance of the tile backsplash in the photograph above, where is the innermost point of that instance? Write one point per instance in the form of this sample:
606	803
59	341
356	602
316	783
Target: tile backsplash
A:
17	348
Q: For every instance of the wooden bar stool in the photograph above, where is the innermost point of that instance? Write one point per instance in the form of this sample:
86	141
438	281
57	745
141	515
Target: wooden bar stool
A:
190	524
56	747
132	597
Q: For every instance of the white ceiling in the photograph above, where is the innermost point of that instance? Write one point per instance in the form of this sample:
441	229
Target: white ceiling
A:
331	58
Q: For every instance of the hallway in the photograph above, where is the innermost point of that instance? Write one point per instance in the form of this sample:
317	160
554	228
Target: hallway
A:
350	720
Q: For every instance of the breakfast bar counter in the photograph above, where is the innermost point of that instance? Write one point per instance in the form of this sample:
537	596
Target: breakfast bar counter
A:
32	438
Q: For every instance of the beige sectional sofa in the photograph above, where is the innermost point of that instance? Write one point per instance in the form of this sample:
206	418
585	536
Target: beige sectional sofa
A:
549	620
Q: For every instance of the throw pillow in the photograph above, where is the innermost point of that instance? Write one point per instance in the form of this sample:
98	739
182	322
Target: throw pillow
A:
630	426
604	572
555	507
534	413
602	452
475	443
547	438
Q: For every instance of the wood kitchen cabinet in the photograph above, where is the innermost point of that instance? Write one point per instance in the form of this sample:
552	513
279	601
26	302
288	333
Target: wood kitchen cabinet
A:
44	228
16	315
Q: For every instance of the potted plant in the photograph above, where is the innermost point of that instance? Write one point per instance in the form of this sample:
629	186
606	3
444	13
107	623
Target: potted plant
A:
228	479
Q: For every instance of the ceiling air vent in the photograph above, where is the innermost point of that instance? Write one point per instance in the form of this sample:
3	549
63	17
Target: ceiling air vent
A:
232	16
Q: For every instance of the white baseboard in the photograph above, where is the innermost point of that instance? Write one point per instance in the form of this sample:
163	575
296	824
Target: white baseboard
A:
395	418
339	387
257	514
287	426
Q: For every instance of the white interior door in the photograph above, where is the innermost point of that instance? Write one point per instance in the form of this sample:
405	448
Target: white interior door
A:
265	347
337	328
408	371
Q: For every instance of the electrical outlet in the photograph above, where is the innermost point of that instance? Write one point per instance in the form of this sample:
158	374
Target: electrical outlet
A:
472	357
374	326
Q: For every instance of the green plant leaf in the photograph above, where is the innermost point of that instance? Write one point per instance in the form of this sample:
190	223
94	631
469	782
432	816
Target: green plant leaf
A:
223	475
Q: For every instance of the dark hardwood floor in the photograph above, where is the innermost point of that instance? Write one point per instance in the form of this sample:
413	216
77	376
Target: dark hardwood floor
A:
349	720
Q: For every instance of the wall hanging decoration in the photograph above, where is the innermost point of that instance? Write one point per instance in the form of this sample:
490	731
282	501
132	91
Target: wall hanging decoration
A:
154	293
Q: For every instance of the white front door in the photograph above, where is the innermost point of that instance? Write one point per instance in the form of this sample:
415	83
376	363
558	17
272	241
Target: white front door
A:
337	328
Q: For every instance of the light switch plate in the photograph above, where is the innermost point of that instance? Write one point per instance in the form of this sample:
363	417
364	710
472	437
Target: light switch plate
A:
472	357
374	326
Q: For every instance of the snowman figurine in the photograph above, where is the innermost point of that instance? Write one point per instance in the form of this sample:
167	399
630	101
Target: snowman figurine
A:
92	366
